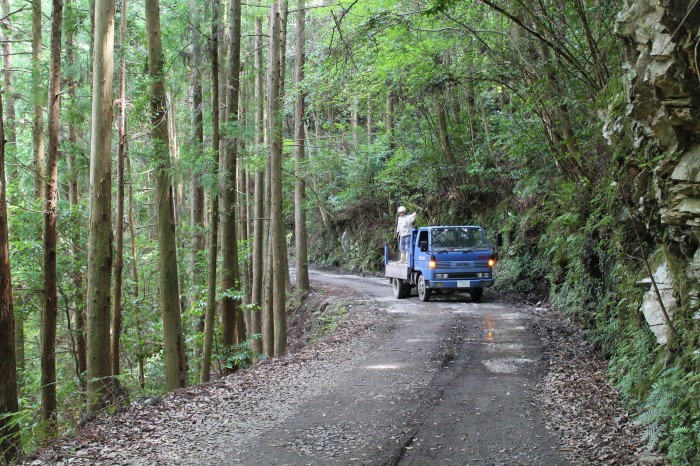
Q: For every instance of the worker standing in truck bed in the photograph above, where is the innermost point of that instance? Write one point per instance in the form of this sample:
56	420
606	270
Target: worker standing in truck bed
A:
403	231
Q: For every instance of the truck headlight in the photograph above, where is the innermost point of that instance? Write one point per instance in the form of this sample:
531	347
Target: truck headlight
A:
440	276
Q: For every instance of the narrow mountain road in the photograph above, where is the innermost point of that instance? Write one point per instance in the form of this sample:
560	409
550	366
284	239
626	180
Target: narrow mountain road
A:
398	382
450	381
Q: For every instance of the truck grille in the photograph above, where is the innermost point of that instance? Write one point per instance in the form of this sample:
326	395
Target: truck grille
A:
461	265
462	275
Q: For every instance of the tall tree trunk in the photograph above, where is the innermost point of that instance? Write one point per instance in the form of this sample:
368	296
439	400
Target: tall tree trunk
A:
390	121
11	141
242	190
38	99
100	239
300	234
283	13
119	234
10	440
177	185
209	321
7	38
50	310
268	319
258	247
175	364
231	315
197	204
442	129
282	45
276	225
355	116
369	121
134	266
132	227
73	196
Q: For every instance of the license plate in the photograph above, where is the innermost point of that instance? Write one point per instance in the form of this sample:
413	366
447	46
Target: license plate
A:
464	284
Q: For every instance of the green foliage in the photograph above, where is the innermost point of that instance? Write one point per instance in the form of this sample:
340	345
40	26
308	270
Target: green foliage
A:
327	319
521	274
671	415
240	355
524	156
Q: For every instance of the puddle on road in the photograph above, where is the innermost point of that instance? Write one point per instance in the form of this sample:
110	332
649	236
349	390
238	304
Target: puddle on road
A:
419	340
385	366
466	311
489	328
506	365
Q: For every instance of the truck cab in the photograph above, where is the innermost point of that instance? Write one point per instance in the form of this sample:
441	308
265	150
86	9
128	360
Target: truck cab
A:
443	259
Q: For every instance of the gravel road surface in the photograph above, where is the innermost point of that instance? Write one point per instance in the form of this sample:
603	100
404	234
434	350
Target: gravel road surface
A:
398	382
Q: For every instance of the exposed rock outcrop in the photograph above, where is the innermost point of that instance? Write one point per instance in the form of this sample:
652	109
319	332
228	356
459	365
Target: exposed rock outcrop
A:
663	92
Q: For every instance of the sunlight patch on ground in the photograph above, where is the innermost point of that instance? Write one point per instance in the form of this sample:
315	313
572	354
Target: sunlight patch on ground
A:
510	316
384	367
404	309
385	298
505	365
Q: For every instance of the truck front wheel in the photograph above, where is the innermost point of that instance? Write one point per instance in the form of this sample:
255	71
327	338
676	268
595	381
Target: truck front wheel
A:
423	290
476	294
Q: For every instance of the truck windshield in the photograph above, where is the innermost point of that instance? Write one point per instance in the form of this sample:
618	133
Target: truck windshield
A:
458	239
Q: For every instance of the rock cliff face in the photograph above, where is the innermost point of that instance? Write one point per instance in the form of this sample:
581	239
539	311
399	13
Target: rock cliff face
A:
662	38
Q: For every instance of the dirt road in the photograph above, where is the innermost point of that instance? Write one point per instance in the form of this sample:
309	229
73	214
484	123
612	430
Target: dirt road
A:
449	382
399	382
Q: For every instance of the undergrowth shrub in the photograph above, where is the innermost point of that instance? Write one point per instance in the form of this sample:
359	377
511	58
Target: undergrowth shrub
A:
521	275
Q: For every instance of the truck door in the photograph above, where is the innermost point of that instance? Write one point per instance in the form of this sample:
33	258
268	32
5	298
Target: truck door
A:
421	250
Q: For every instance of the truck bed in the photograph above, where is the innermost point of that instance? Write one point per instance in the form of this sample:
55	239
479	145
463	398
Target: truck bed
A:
395	269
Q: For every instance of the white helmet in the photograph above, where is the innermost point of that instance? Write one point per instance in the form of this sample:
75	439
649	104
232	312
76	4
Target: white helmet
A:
402	209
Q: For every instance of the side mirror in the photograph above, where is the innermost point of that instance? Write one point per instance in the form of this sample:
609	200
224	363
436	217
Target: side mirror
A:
423	246
499	239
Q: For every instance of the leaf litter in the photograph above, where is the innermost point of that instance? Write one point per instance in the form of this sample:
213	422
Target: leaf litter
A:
579	403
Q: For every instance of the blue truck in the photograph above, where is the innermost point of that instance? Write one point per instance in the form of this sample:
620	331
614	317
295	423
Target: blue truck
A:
442	259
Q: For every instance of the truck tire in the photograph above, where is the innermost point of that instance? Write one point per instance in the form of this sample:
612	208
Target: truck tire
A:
401	290
476	294
423	291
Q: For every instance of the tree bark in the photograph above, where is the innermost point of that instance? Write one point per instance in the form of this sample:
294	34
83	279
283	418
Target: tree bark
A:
283	13
209	321
10	126
268	319
134	266
38	103
369	121
276	225
233	329
119	234
355	117
11	141
10	440
100	240
300	233
175	364
197	196
442	129
80	346
50	309
259	199
390	121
